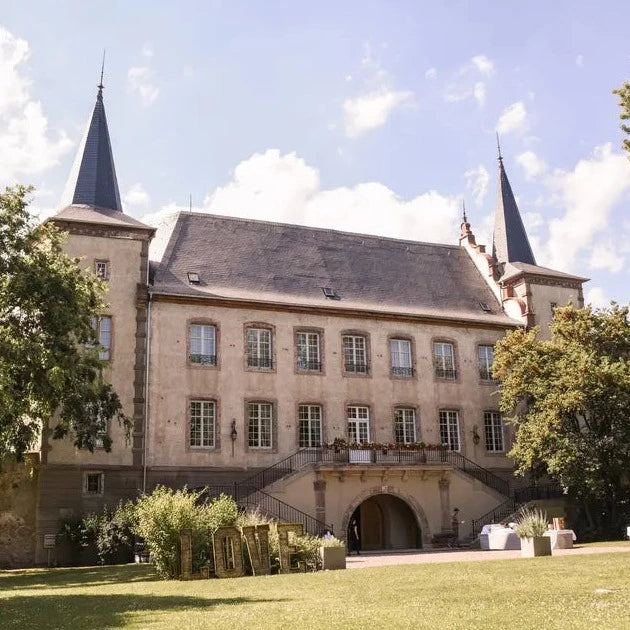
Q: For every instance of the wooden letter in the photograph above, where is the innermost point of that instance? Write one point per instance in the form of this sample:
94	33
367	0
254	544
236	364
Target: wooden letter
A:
283	543
228	552
258	549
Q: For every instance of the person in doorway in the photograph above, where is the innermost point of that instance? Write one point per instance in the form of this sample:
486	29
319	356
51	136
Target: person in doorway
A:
354	543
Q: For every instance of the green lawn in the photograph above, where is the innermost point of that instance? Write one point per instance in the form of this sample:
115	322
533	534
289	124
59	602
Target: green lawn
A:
557	592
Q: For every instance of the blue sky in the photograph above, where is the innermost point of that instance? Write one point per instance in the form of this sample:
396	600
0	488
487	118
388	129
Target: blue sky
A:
366	116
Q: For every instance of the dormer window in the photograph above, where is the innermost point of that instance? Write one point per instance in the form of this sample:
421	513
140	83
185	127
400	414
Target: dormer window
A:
331	293
193	277
485	307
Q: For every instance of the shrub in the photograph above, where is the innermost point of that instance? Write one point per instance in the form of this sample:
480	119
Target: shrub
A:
531	523
164	513
331	542
112	533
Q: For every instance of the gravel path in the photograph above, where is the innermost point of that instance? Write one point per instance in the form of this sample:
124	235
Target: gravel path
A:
411	557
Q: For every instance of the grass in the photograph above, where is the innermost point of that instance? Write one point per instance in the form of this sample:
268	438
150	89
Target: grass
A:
556	592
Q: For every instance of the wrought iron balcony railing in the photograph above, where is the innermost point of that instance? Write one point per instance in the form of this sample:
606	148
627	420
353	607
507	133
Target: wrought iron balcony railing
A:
449	374
356	368
309	366
203	359
402	371
259	362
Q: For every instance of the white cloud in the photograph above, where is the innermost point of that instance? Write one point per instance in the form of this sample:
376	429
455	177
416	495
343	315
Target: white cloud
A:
374	105
596	297
371	111
604	256
147	50
477	180
479	92
140	79
136	196
533	221
26	146
484	64
431	73
513	118
532	164
283	187
588	193
579	61
464	84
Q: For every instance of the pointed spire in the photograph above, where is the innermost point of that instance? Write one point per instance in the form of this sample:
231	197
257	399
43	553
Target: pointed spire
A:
464	218
509	242
93	180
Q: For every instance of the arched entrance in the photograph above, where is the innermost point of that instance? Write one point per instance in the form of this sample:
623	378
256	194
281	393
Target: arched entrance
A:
384	521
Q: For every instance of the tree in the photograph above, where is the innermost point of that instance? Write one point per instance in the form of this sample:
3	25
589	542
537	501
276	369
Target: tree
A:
50	371
570	397
624	102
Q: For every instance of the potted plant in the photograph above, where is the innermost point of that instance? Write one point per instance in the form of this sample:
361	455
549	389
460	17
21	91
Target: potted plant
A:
530	527
332	552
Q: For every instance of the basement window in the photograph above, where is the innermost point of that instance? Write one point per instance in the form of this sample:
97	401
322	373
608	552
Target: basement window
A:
330	293
193	277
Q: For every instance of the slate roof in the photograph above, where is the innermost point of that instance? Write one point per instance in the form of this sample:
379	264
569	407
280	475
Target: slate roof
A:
91	194
509	241
275	263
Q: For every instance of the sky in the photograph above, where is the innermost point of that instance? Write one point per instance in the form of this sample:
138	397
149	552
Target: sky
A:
365	116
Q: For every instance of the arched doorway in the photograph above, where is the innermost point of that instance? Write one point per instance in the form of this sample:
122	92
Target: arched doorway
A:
385	522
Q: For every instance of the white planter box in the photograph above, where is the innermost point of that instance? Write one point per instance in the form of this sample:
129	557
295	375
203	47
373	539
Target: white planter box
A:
333	558
538	546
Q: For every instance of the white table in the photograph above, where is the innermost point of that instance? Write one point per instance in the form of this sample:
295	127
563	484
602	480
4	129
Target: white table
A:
561	538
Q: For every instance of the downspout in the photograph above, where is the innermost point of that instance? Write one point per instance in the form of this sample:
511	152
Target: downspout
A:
146	397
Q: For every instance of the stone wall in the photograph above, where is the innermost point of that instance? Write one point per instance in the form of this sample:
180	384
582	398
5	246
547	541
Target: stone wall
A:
18	502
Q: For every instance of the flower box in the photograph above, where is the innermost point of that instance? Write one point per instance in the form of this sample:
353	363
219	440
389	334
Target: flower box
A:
333	558
536	546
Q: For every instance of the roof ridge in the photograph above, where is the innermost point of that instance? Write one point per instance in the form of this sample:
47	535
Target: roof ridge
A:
316	229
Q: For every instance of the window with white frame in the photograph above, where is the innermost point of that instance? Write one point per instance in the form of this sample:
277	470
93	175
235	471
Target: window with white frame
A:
400	356
259	348
486	357
355	354
203	344
444	360
405	425
101	269
449	430
202	423
493	426
103	327
93	483
308	351
358	424
260	417
310	426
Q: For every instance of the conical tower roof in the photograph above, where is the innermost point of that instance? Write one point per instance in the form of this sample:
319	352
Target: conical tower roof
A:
91	194
509	242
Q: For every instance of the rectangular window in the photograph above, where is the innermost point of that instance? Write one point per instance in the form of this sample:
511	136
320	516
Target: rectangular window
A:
203	346
103	327
93	483
101	269
202	423
486	356
359	424
308	355
355	354
259	425
259	348
400	353
493	425
449	430
101	433
405	425
444	359
310	427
